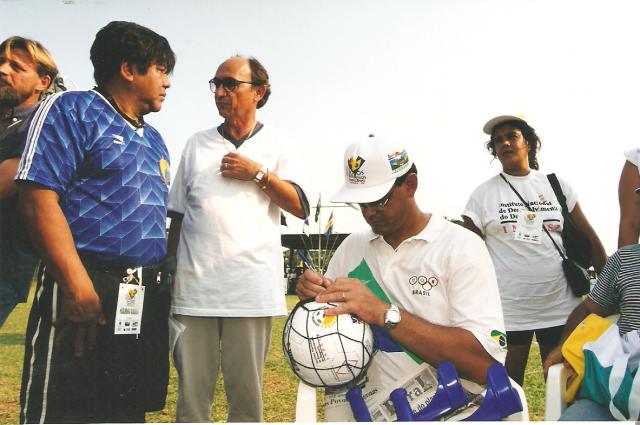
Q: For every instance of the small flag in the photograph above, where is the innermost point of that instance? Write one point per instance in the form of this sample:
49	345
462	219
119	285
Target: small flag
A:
283	220
328	230
317	210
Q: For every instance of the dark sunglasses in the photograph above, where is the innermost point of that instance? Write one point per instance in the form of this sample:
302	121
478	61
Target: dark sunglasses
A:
229	84
380	204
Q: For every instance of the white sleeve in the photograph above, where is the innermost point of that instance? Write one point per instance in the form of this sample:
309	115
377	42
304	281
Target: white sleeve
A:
475	211
335	269
349	255
569	193
633	156
474	297
178	192
289	165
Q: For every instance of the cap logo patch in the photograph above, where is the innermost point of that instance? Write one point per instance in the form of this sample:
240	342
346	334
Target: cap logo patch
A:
355	163
355	175
398	160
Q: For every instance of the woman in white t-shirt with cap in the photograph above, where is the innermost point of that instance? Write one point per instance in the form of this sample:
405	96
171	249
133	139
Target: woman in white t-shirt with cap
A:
536	298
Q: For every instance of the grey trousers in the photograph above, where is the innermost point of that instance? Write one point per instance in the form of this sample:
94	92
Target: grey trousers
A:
238	346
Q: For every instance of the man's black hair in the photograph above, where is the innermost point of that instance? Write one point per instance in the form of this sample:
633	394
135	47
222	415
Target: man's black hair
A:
121	41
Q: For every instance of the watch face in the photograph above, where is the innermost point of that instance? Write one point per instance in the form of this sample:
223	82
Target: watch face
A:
391	317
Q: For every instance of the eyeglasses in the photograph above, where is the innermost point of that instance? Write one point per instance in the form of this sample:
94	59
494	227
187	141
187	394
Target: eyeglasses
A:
380	204
229	84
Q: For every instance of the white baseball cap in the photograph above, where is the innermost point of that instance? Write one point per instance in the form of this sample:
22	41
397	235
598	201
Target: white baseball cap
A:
493	122
371	166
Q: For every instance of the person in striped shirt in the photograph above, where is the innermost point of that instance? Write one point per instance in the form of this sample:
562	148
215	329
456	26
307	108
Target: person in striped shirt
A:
617	290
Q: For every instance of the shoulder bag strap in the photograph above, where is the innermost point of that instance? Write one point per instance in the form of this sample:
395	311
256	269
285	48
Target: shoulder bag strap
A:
555	185
530	209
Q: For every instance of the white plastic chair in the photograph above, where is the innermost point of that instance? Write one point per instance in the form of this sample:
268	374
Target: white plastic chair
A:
306	404
554	402
306	409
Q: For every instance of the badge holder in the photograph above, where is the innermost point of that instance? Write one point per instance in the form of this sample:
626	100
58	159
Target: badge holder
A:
500	400
128	320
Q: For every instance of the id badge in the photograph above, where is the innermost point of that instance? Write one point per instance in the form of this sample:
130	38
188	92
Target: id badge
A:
529	227
129	309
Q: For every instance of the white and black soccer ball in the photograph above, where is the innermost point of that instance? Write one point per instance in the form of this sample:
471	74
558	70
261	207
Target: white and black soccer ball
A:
326	351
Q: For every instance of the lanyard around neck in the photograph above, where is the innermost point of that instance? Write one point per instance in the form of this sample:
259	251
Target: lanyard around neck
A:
526	204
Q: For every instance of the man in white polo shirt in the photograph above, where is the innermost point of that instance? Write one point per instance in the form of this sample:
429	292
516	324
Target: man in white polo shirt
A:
427	285
225	204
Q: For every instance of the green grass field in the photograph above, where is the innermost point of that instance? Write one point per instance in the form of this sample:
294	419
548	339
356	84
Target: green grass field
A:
279	382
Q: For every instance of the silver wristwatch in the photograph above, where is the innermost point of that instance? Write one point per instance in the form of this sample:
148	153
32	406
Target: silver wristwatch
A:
391	317
260	174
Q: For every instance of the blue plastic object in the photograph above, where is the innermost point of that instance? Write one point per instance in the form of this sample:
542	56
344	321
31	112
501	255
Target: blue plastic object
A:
501	399
403	410
384	342
448	397
358	406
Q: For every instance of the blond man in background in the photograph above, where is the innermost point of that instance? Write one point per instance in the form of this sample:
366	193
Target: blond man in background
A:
27	73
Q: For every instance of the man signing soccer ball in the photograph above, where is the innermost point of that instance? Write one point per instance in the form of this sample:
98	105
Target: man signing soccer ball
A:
427	285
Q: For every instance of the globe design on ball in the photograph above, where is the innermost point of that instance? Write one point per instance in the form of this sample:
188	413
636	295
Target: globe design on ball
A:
326	351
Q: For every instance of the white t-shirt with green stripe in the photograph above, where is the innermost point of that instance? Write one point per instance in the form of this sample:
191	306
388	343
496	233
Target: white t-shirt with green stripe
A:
443	275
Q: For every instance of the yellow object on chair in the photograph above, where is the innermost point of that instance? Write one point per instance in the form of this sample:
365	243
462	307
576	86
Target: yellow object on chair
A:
588	330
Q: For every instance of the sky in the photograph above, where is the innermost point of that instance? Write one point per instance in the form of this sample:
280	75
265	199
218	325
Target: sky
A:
427	73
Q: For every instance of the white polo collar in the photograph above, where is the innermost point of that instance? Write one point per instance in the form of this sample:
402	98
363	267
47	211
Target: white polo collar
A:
429	234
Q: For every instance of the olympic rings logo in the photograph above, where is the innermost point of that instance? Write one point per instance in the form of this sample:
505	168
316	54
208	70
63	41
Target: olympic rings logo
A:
424	281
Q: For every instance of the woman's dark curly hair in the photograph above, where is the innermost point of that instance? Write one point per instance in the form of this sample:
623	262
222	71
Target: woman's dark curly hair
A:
529	134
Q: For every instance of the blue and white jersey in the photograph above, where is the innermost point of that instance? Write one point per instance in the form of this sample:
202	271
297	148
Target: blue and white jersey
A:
112	179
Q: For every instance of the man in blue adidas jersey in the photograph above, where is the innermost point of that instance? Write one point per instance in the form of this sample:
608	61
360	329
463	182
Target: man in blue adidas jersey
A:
27	70
617	290
93	184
